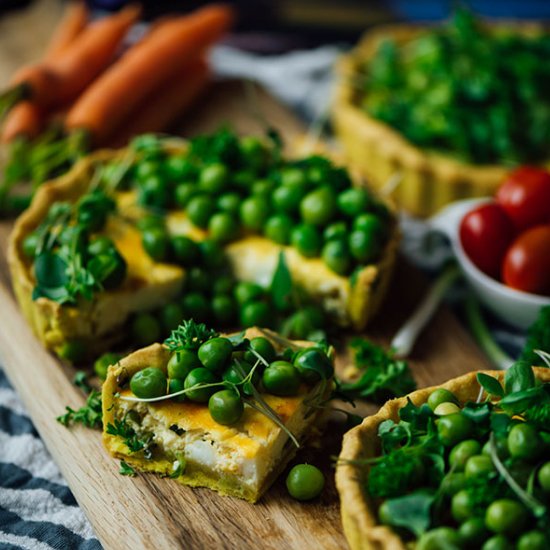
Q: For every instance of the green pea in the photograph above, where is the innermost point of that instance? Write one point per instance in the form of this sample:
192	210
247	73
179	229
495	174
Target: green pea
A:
103	363
155	192
243	179
462	452
305	482
30	242
148	382
286	199
224	308
439	396
371	223
478	465
533	540
336	230
176	385
156	243
313	364
214	354
109	269
306	239
145	169
263	187
318	207
277	228
364	245
101	245
183	193
200	209
281	378
353	202
506	517
212	254
230	203
145	329
248	292
186	251
385	515
501	445
226	407
544	477
438	538
150	222
524	442
473	532
224	284
171	315
293	177
233	375
200	376
302	323
254	212
452	483
73	351
256	314
454	428
462	506
198	280
177	168
196	307
182	362
253	152
498	542
213	178
223	227
336	255
263	347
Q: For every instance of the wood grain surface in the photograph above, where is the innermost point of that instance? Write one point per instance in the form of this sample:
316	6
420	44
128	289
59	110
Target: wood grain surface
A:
148	512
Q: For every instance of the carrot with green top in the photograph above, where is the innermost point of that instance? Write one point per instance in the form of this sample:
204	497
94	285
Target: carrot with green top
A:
120	90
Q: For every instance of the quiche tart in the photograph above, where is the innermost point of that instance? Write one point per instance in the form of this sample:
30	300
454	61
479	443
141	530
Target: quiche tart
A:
241	459
349	299
362	445
425	179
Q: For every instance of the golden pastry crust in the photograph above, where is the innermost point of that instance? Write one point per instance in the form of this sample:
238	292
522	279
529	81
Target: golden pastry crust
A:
428	180
158	355
358	511
96	324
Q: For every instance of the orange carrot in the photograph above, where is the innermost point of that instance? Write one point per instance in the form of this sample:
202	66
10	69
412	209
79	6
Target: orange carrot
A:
118	92
26	118
71	25
160	110
61	79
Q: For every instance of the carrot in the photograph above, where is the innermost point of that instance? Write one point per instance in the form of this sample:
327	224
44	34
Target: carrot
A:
61	79
26	118
72	23
160	110
118	92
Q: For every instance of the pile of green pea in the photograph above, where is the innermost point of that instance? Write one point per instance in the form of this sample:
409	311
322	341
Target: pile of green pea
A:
506	523
234	186
220	375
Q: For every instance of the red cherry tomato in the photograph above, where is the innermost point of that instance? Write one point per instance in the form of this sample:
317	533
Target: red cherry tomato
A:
485	233
527	262
525	196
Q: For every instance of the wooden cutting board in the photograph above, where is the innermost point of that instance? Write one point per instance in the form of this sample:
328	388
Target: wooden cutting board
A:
148	512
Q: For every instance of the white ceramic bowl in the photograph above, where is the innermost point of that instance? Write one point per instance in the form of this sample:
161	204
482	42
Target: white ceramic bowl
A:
517	308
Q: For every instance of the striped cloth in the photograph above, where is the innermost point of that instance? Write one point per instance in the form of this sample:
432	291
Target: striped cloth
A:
37	509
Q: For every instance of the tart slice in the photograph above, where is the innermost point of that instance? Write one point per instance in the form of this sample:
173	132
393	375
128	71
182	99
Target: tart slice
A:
435	469
227	414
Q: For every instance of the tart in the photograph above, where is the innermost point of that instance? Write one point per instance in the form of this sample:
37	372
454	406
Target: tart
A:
349	299
241	459
426	180
359	511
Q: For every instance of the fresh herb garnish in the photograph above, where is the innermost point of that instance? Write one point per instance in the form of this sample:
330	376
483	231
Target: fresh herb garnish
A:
189	335
90	415
126	469
135	443
538	338
382	376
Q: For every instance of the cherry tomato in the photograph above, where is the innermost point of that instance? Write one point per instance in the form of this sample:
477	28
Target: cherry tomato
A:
525	196
527	262
485	233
